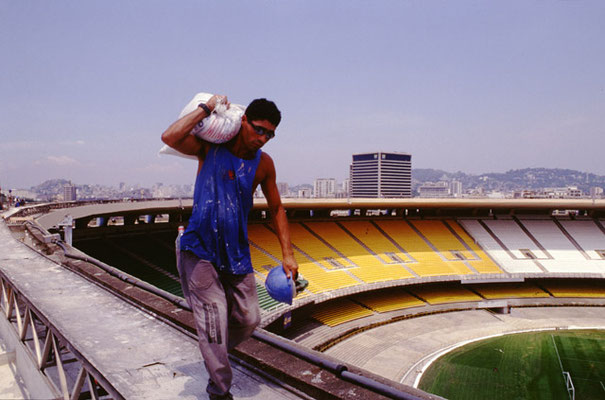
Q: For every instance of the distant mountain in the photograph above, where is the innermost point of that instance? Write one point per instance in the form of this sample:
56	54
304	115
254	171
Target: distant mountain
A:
528	178
51	186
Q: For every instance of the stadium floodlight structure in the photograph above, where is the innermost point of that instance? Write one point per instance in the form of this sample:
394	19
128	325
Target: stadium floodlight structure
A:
381	175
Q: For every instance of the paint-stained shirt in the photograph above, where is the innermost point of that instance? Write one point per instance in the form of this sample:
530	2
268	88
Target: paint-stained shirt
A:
218	227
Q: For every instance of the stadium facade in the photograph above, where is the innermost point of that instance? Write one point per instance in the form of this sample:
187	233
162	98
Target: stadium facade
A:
381	175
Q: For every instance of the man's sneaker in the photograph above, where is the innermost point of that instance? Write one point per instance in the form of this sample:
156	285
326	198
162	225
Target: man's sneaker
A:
212	387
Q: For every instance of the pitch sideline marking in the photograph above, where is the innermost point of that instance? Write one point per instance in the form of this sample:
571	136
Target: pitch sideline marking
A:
557	351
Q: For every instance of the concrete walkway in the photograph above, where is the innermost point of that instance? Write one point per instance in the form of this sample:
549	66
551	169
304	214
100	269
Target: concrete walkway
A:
142	357
400	350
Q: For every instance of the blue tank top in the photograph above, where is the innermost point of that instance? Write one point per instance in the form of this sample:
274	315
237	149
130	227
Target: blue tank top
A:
218	227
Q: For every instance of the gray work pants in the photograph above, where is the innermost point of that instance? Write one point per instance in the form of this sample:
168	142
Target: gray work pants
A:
226	312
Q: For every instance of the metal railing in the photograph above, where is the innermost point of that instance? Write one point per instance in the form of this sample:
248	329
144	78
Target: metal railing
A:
69	373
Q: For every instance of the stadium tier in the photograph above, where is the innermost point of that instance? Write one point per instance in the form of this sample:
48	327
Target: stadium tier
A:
575	289
339	312
565	256
441	294
342	254
385	250
483	263
509	290
265	301
335	255
430	262
320	278
547	246
367	266
516	239
437	232
388	300
133	255
588	236
492	244
378	244
326	256
262	262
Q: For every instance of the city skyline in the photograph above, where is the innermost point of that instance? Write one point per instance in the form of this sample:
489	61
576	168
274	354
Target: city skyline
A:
524	183
472	87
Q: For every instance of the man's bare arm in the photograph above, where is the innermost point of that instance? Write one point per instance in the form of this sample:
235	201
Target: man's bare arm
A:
278	215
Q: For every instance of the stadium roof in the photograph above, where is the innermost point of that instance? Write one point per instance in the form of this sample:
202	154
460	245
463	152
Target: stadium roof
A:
417	206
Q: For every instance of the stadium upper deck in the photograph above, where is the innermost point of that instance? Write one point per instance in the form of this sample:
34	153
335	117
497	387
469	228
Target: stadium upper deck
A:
427	237
349	246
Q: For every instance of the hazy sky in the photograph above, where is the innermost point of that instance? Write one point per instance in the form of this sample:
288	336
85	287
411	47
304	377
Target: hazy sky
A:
87	87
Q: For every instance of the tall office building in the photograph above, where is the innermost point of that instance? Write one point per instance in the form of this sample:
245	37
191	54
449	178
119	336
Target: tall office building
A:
456	188
282	188
324	188
69	192
346	184
381	174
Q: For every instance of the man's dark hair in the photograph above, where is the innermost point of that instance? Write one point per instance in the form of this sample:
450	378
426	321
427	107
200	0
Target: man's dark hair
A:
263	109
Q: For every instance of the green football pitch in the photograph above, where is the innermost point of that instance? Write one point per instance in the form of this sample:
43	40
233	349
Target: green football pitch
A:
522	366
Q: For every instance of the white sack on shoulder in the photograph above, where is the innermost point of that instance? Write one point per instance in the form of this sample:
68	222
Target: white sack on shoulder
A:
172	152
221	126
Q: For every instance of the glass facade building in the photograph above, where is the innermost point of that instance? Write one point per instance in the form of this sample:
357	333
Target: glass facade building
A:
381	175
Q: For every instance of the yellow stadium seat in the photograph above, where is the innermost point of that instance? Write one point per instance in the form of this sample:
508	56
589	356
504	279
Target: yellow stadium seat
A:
366	232
442	295
388	300
429	263
485	265
339	311
320	280
509	290
575	289
368	267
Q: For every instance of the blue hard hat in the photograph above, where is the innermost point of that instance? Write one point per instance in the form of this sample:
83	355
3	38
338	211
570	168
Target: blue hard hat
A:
279	286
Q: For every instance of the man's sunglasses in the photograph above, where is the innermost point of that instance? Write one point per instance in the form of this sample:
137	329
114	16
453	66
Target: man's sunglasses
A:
262	131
